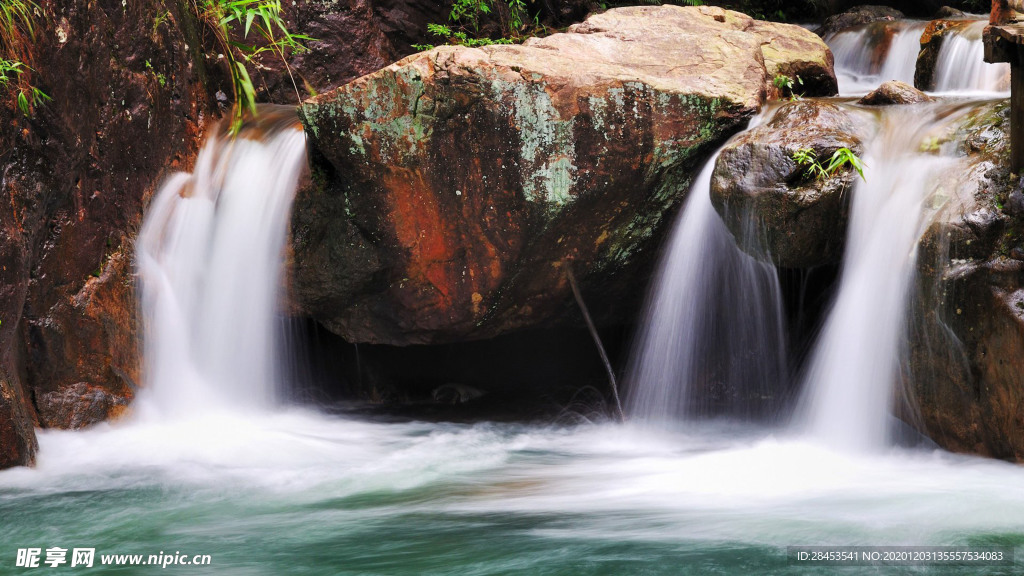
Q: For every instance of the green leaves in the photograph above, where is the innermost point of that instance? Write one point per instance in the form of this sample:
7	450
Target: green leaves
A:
17	31
843	157
786	84
464	23
263	18
840	158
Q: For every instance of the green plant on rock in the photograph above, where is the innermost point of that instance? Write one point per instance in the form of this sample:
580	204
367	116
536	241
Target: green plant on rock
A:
17	34
814	168
785	84
230	18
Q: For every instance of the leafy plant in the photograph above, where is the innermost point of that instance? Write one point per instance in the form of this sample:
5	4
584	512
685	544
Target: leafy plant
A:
160	78
465	19
228	19
841	158
17	33
786	84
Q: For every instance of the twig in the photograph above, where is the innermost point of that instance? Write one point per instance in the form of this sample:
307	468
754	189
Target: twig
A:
597	340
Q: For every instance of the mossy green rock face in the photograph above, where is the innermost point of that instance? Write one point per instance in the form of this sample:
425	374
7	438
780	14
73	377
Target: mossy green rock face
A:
453	189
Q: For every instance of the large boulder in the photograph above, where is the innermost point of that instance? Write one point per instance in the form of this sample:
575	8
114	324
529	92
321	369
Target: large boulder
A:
774	208
454	189
967	340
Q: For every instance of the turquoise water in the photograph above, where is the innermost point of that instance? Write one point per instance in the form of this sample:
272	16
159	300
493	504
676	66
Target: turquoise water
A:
306	493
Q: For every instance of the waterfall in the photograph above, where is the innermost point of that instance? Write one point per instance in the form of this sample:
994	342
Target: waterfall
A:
853	371
711	341
866	56
209	259
961	64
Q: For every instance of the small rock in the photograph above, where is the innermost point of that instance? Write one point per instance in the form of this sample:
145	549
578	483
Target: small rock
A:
895	92
766	199
79	405
950	13
454	393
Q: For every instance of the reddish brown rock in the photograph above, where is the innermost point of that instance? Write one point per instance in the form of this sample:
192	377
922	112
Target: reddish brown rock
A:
352	38
91	338
127	108
17	437
454	187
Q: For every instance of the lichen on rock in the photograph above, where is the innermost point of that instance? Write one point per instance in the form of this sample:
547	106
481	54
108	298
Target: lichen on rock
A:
463	180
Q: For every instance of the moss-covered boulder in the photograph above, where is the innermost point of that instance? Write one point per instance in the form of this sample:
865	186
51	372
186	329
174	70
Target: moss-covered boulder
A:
453	189
772	204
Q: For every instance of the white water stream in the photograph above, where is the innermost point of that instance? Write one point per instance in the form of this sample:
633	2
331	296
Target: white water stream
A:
209	265
206	466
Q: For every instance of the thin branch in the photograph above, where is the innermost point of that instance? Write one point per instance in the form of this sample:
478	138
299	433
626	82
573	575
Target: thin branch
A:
597	340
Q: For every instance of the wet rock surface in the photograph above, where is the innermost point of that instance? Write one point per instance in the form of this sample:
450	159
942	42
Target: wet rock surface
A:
935	34
454	189
967	337
895	92
774	208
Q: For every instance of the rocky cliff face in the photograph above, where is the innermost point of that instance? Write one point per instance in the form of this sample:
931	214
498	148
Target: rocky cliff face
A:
456	187
126	108
133	86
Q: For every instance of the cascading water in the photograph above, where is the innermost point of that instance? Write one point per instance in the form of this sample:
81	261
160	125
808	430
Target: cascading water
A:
853	372
297	491
712	338
961	64
868	55
713	329
209	264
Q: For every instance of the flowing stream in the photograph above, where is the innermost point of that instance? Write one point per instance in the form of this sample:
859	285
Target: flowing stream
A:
209	464
867	55
853	373
209	267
